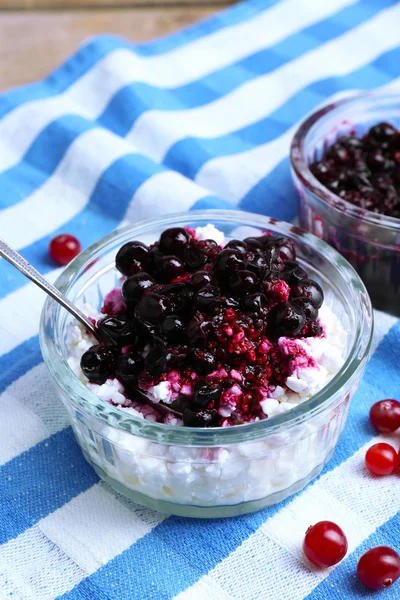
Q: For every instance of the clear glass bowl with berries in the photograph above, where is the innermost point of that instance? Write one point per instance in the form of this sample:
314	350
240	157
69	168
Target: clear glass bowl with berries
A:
345	162
229	347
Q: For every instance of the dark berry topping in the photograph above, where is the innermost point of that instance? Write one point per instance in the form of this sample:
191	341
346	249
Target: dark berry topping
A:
201	418
207	320
203	361
169	268
194	258
153	307
286	319
134	286
174	240
201	279
174	329
112	329
207	298
309	291
97	363
227	262
243	283
364	171
132	258
128	367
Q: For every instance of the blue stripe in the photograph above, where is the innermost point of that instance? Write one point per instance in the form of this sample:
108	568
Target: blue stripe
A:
18	361
190	154
39	481
133	100
196	545
343	581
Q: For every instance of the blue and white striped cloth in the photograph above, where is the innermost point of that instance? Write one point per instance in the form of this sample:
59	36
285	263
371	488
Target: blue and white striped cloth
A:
120	132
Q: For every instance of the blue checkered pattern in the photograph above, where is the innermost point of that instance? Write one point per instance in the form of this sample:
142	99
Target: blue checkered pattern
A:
200	119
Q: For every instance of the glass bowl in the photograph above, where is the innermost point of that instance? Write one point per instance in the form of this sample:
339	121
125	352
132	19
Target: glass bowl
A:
370	242
213	472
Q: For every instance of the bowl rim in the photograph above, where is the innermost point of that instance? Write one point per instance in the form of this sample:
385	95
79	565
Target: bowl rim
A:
88	402
301	168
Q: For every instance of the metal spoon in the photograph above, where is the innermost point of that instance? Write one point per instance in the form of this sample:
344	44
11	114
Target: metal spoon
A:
17	261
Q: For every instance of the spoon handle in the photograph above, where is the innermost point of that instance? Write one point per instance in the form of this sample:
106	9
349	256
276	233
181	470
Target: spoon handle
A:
29	271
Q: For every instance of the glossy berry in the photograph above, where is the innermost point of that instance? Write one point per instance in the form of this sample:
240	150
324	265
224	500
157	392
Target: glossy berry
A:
174	329
227	262
152	307
254	243
205	393
381	459
174	240
203	361
201	418
128	366
112	329
196	335
237	245
285	319
325	544
243	283
156	359
385	415
170	267
201	279
132	257
97	363
254	303
194	258
207	298
293	273
379	568
309	291
134	286
63	248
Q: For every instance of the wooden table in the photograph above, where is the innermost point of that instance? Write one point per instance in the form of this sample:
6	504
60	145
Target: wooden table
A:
36	39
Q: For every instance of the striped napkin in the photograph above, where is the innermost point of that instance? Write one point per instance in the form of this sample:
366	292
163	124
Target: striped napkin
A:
119	133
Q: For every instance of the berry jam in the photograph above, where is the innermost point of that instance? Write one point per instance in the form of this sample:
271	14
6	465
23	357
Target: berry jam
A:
217	325
364	171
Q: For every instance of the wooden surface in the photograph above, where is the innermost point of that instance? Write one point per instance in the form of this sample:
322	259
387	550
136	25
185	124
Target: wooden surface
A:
34	43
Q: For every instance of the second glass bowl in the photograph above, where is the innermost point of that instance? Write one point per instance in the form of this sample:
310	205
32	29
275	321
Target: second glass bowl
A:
212	472
369	241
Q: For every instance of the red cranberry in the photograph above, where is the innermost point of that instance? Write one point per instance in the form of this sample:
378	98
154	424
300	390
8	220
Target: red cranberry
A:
174	329
128	367
116	330
169	268
285	319
379	568
385	415
325	544
174	240
227	262
243	283
134	286
203	361
194	258
309	291
237	245
97	363
153	307
381	459
201	279
131	258
63	248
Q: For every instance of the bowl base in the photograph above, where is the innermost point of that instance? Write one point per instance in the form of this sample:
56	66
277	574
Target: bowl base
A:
205	512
